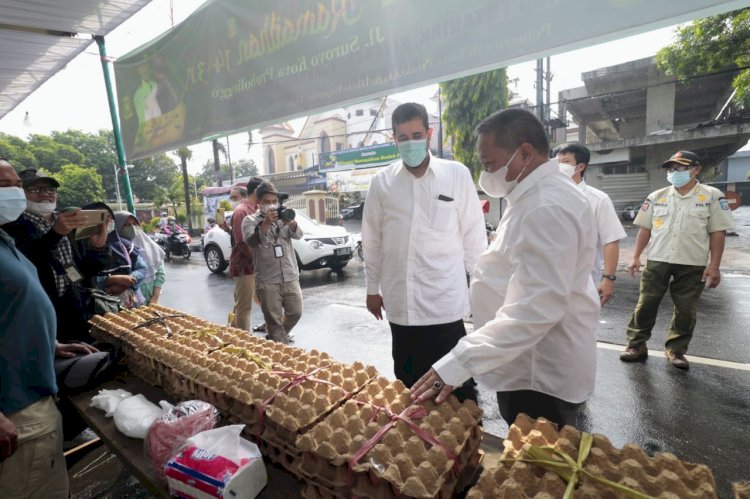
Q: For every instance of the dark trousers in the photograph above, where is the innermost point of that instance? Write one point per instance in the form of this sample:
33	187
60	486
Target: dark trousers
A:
685	286
537	404
416	348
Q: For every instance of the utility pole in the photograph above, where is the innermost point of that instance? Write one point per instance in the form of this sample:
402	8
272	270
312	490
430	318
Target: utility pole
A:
547	108
440	124
540	89
217	163
229	160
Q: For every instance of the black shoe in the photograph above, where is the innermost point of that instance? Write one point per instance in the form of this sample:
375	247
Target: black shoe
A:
260	328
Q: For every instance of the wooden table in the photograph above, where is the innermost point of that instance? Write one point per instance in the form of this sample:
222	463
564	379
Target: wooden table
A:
281	483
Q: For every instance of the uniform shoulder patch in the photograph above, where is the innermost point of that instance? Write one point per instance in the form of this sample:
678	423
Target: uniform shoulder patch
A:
646	205
724	204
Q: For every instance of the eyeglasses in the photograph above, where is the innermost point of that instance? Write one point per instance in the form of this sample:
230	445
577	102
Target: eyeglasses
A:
681	168
41	190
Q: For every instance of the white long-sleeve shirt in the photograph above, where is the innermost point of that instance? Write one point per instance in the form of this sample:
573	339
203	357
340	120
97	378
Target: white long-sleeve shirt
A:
608	224
420	238
535	305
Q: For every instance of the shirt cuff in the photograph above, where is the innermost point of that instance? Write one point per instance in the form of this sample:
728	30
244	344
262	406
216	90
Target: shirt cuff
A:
373	288
451	371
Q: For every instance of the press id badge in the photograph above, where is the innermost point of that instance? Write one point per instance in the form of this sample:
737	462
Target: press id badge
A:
278	251
73	274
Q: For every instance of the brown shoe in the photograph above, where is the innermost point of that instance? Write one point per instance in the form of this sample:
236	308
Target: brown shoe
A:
678	360
634	354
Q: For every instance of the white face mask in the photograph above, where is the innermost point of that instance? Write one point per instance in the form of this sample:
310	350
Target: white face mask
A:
110	227
494	183
12	204
40	209
567	169
265	207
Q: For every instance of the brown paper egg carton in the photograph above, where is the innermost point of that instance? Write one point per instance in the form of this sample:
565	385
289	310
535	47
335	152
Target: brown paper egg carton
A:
401	464
741	490
661	476
298	407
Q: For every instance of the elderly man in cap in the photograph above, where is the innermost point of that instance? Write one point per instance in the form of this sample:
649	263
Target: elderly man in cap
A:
686	224
40	234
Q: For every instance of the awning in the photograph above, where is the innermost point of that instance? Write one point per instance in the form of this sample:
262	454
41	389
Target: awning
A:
38	38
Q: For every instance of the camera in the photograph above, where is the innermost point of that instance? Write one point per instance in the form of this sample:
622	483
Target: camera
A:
285	213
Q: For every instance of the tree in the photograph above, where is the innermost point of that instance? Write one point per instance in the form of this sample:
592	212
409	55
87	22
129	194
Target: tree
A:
52	155
99	152
148	174
465	101
711	44
185	154
78	186
243	168
17	152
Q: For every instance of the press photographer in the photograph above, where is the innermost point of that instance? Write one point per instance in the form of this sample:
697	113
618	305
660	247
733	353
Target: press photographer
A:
270	232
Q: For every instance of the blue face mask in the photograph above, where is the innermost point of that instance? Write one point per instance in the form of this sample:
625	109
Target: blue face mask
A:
413	152
678	179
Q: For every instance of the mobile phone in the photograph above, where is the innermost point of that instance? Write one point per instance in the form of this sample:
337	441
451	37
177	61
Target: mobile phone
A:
220	215
95	217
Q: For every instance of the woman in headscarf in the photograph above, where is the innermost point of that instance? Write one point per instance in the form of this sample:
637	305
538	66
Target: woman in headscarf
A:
124	269
130	228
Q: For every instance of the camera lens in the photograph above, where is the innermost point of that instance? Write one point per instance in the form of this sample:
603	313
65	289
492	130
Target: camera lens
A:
288	214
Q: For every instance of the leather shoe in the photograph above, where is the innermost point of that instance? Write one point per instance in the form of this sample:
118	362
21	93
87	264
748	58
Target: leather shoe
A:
678	360
634	354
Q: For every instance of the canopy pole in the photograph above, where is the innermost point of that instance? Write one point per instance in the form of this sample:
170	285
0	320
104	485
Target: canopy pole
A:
121	164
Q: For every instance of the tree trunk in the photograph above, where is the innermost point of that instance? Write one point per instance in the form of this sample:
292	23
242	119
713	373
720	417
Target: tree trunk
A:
186	187
217	163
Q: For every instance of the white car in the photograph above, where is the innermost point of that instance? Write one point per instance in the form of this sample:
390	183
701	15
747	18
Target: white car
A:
321	246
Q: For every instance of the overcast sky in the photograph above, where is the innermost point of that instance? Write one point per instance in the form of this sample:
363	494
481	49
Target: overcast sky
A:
76	97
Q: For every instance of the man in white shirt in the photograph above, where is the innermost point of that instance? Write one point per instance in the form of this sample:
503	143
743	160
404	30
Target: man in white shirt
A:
422	232
535	305
574	159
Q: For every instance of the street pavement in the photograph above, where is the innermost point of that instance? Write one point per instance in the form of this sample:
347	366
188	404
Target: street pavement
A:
701	415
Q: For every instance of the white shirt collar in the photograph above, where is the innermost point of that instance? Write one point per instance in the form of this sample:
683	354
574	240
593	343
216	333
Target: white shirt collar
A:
532	179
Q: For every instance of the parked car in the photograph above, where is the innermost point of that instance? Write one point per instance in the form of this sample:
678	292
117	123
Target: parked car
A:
353	211
321	246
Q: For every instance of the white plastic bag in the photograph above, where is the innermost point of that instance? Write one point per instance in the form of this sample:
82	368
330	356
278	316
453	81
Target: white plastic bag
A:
108	400
135	415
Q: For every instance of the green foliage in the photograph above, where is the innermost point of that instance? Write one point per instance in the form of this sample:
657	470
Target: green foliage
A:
148	227
225	204
78	186
242	168
17	152
52	155
466	101
90	150
708	45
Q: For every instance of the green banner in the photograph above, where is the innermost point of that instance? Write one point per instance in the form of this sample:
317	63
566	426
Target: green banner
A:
239	64
360	156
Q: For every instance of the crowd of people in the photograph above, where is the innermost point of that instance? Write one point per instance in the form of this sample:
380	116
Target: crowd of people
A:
535	293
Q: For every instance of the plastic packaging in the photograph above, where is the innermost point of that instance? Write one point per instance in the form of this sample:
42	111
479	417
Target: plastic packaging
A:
135	415
170	431
109	400
217	463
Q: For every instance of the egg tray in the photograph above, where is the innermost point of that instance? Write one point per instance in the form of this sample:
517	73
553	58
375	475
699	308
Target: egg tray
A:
284	402
741	490
278	452
402	463
662	476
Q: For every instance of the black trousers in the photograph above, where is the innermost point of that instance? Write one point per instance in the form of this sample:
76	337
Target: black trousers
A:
416	348
537	404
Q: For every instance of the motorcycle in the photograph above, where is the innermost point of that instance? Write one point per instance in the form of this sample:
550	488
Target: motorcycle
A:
177	243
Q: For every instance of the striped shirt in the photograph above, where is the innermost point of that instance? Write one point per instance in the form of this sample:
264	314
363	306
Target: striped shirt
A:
270	269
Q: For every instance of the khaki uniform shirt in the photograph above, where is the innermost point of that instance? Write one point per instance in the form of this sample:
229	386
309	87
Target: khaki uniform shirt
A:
680	225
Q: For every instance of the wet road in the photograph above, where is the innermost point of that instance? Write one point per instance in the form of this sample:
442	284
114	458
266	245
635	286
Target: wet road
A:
702	415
